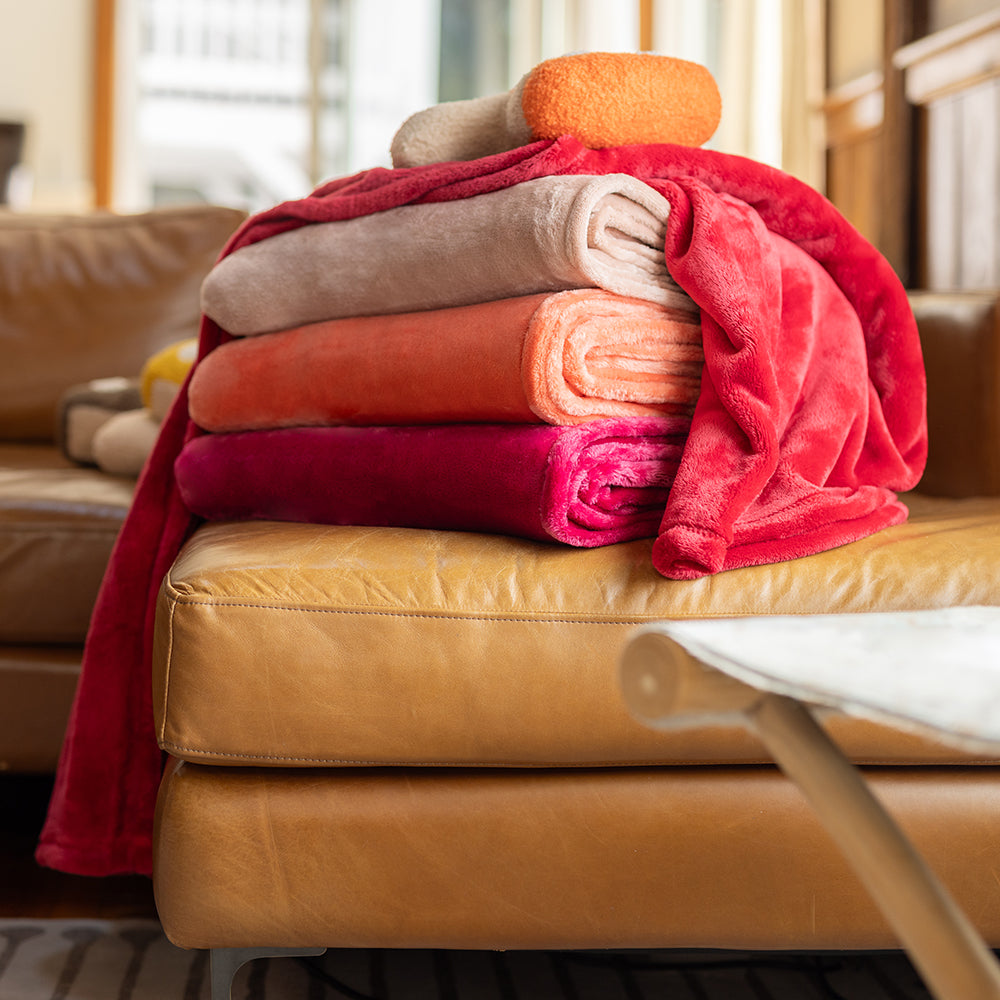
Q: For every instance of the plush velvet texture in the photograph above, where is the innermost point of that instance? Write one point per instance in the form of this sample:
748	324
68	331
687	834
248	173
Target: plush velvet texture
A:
786	428
720	248
593	484
544	235
560	359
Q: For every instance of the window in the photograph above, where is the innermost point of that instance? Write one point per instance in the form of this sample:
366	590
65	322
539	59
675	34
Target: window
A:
252	102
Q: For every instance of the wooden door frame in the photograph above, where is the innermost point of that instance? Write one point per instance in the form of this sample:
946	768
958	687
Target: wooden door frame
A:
904	20
645	25
103	103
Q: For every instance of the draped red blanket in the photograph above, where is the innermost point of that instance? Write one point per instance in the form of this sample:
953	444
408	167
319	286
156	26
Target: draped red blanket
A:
807	421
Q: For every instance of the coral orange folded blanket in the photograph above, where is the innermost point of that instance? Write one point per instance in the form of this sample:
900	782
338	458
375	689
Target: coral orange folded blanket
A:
593	484
542	235
811	415
560	359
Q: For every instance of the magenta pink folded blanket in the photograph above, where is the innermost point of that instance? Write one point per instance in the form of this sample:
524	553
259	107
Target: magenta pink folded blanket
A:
811	415
591	484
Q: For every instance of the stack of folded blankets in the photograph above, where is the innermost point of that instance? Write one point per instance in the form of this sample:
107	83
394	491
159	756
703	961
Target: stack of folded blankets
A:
489	336
501	342
518	362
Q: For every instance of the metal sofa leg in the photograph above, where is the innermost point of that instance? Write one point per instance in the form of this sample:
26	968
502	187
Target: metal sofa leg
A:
226	961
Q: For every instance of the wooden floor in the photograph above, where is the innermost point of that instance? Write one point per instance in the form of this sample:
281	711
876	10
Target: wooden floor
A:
27	890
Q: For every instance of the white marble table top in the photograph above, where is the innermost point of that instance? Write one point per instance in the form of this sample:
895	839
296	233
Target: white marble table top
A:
935	672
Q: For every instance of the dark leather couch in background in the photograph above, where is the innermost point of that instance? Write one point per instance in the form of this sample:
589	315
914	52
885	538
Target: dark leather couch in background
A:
81	297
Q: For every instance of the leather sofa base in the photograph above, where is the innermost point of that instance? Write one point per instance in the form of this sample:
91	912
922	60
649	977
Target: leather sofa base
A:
37	685
58	524
685	857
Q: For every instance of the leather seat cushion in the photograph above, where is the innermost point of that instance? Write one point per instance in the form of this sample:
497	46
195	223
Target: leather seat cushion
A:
58	523
588	858
301	645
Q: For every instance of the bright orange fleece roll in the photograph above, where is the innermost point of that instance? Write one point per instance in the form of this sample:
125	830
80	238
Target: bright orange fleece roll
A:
561	358
620	99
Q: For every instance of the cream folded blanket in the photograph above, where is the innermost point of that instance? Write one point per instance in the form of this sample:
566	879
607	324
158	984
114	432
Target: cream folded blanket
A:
559	358
543	235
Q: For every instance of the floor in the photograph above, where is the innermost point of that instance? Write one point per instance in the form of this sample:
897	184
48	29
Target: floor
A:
27	890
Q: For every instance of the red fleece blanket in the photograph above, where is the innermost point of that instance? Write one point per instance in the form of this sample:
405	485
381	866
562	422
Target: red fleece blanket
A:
596	483
811	413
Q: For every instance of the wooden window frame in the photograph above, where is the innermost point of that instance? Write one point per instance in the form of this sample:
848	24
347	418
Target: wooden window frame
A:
104	82
103	106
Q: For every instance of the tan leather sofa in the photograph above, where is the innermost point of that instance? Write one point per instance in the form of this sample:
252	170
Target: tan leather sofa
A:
81	297
399	738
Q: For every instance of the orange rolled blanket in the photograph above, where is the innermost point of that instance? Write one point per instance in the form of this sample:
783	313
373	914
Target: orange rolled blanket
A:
562	358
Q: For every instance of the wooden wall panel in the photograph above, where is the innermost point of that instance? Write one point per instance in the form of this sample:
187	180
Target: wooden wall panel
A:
979	261
940	185
853	183
870	131
854	119
953	78
102	152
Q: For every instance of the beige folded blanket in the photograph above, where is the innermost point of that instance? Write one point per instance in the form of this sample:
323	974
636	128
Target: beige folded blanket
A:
543	235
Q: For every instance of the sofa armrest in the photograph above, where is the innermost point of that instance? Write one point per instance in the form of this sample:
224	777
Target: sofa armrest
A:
960	335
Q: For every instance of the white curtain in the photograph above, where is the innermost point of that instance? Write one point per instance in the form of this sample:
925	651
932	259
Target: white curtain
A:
544	29
803	86
767	58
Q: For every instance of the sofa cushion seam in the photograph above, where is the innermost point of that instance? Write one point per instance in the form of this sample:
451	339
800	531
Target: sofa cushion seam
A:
175	748
557	617
166	671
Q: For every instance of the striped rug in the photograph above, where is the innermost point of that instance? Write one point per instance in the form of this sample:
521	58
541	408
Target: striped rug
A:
132	960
